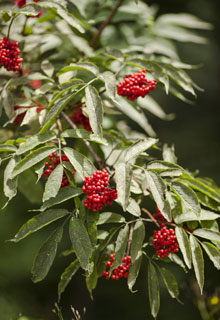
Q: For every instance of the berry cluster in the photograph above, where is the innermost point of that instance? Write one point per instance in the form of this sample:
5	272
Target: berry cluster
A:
121	271
165	241
80	120
99	194
10	55
159	217
54	160
136	85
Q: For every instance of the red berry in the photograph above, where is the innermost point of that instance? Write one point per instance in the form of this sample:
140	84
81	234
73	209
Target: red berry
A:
165	241
10	55
119	272
99	194
136	85
80	120
20	3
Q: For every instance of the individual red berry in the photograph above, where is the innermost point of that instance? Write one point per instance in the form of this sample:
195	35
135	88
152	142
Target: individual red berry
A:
20	3
159	217
54	160
99	194
10	55
136	85
165	241
80	120
120	271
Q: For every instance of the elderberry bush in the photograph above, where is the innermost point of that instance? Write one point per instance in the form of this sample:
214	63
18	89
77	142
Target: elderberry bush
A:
77	104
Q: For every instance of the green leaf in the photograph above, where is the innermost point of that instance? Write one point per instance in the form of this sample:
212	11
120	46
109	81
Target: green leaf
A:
53	183
139	147
187	195
212	252
136	252
189	215
90	67
184	245
169	154
38	222
170	282
82	134
198	261
67	276
94	108
137	116
110	85
153	290
80	241
120	246
33	158
149	104
34	141
63	195
47	68
91	281
176	259
10	185
202	187
27	179
123	181
133	208
207	234
165	168
83	165
110	217
7	148
157	188
46	255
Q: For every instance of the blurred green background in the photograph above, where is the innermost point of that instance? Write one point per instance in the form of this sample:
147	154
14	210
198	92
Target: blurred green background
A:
195	133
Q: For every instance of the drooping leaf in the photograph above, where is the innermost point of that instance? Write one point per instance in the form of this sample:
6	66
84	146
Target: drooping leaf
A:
10	185
133	208
34	141
81	66
110	217
212	252
139	147
152	106
7	148
176	259
110	84
187	195
53	183
82	164
123	181
136	252
198	261
169	154
207	234
157	188
66	276
33	158
170	282
184	245
80	241
165	168
27	179
46	255
153	290
94	108
120	247
63	195
38	222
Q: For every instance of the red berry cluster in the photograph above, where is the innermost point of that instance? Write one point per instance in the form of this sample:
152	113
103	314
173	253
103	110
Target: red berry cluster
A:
80	120
159	217
136	85
165	241
54	160
121	271
99	194
10	55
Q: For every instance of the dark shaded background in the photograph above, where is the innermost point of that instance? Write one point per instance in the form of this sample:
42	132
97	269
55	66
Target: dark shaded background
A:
195	133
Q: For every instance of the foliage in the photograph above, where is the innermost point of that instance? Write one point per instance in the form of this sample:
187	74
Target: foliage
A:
74	55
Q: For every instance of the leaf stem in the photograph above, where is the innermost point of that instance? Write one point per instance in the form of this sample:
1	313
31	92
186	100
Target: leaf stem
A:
150	216
97	159
104	24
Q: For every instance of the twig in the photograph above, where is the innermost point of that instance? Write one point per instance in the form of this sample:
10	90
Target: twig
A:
150	216
104	24
97	159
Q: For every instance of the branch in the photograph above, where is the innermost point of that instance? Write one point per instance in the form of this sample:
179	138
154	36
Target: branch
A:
97	159
150	216
104	24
